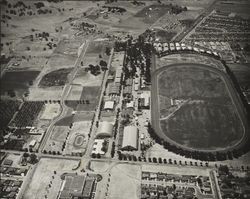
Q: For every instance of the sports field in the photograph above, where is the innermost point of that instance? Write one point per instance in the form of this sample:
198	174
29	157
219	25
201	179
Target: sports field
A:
197	108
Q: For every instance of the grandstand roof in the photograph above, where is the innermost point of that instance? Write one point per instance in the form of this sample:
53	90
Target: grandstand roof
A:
130	136
105	129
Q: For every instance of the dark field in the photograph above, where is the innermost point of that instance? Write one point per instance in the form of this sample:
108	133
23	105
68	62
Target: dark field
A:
88	100
242	74
66	121
27	114
55	78
206	118
7	111
18	81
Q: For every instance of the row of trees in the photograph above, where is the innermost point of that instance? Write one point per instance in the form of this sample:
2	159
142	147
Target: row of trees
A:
194	154
160	160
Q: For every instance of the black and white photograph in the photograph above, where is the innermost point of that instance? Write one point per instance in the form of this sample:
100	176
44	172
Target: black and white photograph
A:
125	99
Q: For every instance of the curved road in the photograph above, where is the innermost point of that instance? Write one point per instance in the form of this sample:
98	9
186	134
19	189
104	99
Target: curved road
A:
236	100
65	93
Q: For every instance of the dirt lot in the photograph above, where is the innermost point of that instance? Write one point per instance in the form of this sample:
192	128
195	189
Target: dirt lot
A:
50	111
128	176
39	183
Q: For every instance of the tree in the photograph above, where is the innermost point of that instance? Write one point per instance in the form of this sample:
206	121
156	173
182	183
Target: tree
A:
33	158
25	155
107	51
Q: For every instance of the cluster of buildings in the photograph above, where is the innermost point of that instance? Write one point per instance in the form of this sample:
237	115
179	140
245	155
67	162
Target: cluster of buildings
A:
9	188
78	186
173	47
182	185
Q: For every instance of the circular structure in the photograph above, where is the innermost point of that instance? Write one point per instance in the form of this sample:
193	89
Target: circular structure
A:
196	107
79	140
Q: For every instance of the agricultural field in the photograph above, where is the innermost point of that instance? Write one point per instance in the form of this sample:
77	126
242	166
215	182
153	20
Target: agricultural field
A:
48	170
88	99
16	83
7	111
197	106
55	78
27	114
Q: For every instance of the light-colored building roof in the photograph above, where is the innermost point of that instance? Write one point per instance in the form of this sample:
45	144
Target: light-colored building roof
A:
105	129
146	97
130	137
109	105
97	147
130	104
32	143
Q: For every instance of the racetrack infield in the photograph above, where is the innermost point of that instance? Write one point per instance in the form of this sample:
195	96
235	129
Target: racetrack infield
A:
196	107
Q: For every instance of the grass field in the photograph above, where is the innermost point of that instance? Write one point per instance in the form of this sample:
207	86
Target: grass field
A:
202	114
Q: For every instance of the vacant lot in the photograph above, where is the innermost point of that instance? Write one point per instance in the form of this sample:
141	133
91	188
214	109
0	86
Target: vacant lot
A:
196	108
128	176
39	184
18	81
50	111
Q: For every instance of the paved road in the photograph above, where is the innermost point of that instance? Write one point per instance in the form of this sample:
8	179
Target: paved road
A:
215	185
65	93
98	108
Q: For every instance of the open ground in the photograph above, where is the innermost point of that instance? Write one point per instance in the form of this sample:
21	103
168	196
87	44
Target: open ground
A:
44	175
